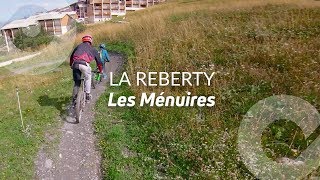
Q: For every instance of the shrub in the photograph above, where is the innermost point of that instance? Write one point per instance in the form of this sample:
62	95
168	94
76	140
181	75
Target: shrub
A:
80	27
24	41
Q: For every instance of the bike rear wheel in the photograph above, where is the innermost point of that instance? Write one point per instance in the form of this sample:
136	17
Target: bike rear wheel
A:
93	81
79	105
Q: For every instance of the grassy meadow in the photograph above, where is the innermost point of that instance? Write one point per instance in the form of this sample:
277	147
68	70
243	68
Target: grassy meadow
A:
51	57
45	86
43	99
257	48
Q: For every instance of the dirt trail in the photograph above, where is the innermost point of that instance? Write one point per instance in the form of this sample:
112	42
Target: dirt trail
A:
76	156
6	63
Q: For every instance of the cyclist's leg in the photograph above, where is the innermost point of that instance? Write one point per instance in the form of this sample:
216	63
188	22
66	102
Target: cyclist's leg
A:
86	70
104	70
77	83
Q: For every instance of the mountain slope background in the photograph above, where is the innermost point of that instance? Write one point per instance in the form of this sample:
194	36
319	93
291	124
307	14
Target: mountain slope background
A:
26	11
23	13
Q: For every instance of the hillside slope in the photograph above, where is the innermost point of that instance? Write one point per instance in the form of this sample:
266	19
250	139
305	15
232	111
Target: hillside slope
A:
257	48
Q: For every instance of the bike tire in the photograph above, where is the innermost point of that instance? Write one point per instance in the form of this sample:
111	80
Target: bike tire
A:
93	81
79	106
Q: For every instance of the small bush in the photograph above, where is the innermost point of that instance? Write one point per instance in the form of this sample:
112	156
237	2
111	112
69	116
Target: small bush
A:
80	27
23	41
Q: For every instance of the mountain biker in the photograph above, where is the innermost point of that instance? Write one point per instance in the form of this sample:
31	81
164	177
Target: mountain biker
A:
104	58
80	60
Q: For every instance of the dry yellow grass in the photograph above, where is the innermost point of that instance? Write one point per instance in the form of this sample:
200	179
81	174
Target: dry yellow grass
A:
257	48
249	42
149	34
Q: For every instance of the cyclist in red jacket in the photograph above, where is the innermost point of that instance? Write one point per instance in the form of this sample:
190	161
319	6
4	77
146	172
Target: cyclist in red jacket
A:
80	60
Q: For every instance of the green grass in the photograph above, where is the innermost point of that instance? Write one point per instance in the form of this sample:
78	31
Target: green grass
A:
15	55
258	50
3	58
124	156
116	19
43	100
50	58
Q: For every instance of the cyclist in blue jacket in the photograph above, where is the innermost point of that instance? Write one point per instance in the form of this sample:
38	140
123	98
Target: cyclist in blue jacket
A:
104	56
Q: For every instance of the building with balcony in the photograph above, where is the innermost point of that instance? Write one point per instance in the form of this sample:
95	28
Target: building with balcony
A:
92	11
54	23
81	8
103	10
134	5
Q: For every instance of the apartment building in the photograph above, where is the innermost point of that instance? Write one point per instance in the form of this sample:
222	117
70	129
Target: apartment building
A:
133	5
102	10
55	23
81	8
93	11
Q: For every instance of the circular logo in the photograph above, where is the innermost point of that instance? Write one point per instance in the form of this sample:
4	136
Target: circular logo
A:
259	117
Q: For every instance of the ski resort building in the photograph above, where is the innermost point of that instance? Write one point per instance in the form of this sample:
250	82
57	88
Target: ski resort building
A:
59	21
92	11
102	10
55	23
133	5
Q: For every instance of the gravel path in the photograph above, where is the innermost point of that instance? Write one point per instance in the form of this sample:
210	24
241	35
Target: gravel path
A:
76	156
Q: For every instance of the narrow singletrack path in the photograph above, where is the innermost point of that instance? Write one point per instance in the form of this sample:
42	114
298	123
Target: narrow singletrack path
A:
76	156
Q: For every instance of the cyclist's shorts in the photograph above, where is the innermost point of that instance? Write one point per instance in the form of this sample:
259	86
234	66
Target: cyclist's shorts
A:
76	75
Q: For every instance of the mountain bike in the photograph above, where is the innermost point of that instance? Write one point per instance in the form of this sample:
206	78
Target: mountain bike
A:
95	78
81	96
80	102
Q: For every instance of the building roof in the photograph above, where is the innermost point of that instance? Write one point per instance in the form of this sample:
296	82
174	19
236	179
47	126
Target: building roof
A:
51	15
20	23
82	5
33	20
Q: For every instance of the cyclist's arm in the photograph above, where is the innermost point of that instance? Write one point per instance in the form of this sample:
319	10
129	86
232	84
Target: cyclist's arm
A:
71	56
107	56
98	60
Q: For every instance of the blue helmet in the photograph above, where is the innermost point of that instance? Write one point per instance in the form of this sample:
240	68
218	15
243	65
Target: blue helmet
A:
102	46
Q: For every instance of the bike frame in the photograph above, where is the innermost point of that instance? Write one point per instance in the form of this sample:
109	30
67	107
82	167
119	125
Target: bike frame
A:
95	78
